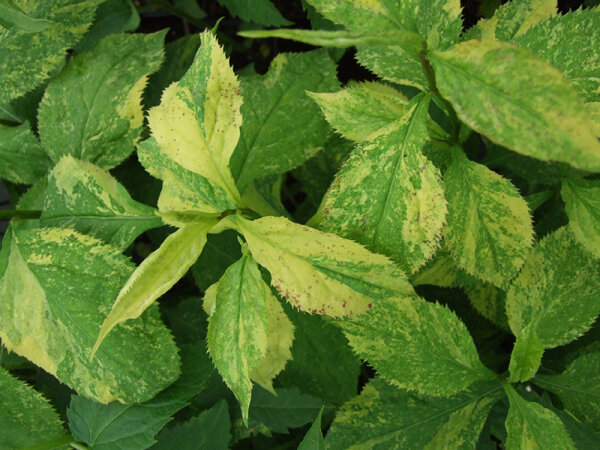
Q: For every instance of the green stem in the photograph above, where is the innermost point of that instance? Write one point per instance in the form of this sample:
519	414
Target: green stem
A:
7	214
55	443
167	7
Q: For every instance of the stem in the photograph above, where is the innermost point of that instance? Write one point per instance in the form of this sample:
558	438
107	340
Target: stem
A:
55	443
7	214
167	7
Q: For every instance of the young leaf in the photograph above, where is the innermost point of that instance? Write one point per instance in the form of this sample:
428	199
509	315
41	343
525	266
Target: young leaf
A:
282	125
535	110
313	439
582	205
388	196
257	11
425	347
44	318
383	416
530	425
93	110
22	158
156	275
577	56
526	355
197	124
133	426
82	196
489	231
319	272
362	110
238	326
210	429
25	62
557	291
578	388
26	417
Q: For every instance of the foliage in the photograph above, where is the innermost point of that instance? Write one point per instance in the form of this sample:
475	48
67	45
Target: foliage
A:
407	261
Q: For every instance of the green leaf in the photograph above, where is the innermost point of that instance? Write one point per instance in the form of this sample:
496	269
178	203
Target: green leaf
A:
388	196
513	19
557	291
526	355
238	326
26	417
22	158
578	388
197	124
392	63
582	205
12	17
57	288
416	345
210	430
489	231
82	196
257	11
488	300
26	61
362	110
93	110
577	56
113	16
322	363
133	427
319	272
535	110
282	125
220	251
383	416
156	275
531	426
313	439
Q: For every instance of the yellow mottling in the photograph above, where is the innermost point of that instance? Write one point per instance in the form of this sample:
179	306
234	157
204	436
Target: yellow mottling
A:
132	109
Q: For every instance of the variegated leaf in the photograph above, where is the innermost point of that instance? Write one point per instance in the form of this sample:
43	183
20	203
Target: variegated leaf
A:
582	205
388	196
93	110
526	355
489	231
535	111
416	345
22	158
362	110
319	272
57	288
82	196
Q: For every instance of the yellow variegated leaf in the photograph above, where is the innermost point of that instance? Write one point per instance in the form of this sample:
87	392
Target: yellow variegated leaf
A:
582	205
280	336
156	275
197	124
320	272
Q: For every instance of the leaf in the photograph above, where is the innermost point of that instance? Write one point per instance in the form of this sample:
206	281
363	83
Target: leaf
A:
582	205
383	416
57	288
557	291
280	336
489	231
576	57
282	125
534	111
25	62
513	19
210	429
132	427
319	272
14	18
488	300
322	363
113	16
82	196
392	63
388	196
526	355
531	426
238	326
362	110
26	417
313	439
197	124
416	345
257	11
220	251
156	275
578	388
22	158
92	110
